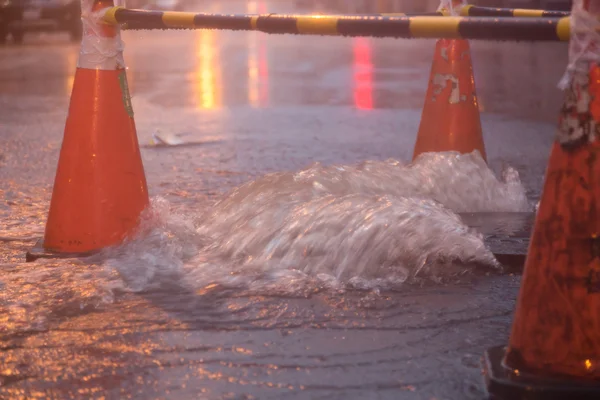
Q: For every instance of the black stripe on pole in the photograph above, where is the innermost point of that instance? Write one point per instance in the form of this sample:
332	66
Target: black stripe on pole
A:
490	12
511	29
232	22
276	24
555	14
475	11
425	14
376	27
140	20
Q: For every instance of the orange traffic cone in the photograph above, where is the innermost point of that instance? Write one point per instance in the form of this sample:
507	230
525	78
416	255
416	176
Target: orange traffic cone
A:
554	348
450	119
100	187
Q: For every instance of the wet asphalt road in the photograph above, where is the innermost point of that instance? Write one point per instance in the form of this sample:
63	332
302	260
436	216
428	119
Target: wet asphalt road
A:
259	104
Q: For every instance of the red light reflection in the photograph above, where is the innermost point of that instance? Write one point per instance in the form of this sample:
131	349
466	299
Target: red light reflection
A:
262	7
363	74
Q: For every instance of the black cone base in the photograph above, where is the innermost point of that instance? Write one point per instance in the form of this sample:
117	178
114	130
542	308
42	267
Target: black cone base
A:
38	251
503	384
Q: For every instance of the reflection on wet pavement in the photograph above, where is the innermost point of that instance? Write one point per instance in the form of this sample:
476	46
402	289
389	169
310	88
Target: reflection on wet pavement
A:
221	68
331	346
258	104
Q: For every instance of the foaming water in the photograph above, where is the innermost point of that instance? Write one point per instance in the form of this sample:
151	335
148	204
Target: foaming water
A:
377	225
374	226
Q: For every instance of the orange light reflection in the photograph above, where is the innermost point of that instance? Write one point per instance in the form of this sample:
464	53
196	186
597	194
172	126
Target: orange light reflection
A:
263	70
251	7
71	60
258	67
207	74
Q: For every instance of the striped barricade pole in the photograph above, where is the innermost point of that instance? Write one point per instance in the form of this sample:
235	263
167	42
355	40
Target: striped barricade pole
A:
420	27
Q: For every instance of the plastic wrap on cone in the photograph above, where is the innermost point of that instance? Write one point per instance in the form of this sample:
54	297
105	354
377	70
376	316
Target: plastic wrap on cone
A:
450	120
556	330
100	187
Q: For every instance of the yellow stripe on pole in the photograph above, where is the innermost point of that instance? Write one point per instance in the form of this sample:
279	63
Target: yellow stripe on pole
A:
521	12
434	27
109	16
178	19
563	29
317	24
253	21
464	10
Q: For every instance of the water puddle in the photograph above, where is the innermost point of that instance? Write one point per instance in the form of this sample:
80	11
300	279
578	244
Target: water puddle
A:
380	225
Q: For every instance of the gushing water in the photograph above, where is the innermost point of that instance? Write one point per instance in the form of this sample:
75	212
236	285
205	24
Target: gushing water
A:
374	226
